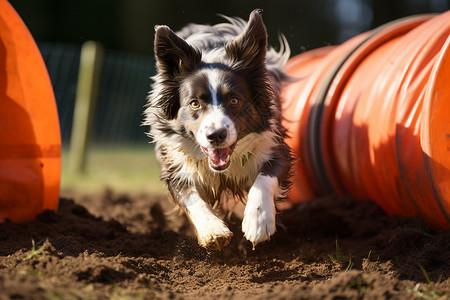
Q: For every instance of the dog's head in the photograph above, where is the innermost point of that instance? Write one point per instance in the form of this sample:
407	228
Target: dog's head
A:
218	100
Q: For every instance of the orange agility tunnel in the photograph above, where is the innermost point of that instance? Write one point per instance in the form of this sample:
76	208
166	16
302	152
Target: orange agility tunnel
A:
371	119
30	143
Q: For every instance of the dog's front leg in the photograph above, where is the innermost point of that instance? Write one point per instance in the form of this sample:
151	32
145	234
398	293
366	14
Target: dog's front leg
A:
259	214
212	233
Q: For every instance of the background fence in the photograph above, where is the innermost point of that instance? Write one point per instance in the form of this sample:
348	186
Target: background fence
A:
125	82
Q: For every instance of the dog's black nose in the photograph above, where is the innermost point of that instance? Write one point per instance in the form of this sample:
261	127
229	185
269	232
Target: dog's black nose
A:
216	137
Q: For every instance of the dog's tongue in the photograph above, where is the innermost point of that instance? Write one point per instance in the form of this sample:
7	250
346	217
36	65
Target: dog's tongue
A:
219	157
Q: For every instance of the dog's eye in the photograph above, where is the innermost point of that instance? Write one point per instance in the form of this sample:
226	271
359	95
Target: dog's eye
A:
194	104
234	101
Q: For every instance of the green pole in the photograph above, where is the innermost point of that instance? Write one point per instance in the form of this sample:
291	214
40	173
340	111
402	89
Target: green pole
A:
91	61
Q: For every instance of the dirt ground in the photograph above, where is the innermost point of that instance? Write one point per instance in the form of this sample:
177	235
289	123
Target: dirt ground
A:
114	246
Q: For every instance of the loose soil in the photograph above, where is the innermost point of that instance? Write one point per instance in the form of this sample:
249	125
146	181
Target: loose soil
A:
116	246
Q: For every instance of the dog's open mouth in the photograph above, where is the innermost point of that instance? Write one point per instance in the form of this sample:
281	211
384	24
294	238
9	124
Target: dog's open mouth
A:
219	158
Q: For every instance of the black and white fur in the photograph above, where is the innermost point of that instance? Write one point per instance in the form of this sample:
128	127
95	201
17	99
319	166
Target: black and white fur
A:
214	116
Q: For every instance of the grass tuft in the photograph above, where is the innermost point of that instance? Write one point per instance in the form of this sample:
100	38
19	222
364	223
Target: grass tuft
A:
360	285
340	258
425	274
431	293
35	253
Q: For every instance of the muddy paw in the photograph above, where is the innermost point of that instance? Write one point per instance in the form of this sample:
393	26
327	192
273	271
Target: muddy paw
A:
215	238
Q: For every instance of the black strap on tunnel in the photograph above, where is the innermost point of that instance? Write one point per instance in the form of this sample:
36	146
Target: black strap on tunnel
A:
315	119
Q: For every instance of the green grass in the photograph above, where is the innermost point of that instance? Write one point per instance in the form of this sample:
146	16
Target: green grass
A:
340	258
35	253
120	168
360	285
431	293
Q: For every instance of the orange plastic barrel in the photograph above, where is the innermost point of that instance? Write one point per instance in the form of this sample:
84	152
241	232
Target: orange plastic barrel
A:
30	143
376	124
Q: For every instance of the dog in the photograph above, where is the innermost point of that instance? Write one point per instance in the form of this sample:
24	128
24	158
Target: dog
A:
214	113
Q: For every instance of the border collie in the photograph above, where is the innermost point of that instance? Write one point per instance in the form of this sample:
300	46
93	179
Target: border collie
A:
215	118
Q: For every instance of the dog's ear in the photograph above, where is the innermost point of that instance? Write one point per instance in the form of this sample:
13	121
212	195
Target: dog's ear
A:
248	50
173	54
174	57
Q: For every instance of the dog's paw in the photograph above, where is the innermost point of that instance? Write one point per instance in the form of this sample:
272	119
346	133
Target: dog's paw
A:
259	221
214	237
